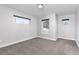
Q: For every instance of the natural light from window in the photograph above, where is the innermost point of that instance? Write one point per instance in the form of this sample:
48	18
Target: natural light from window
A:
22	21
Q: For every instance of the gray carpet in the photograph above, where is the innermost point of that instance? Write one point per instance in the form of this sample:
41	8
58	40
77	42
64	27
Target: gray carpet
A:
39	46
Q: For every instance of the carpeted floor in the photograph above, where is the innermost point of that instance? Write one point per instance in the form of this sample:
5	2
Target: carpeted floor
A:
39	46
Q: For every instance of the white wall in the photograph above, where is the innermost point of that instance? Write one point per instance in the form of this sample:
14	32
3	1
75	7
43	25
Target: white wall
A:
53	27
66	31
10	31
77	28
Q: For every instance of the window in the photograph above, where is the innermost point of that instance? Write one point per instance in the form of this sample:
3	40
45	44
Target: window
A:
45	26
21	20
45	23
26	21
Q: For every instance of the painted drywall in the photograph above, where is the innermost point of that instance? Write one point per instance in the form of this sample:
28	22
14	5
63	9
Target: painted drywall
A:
10	31
52	27
77	27
66	31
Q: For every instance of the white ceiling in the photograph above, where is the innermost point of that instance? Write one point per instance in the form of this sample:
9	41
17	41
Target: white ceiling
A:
32	9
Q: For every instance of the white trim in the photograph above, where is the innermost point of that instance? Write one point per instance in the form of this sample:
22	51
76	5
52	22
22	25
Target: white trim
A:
47	38
77	42
16	42
67	38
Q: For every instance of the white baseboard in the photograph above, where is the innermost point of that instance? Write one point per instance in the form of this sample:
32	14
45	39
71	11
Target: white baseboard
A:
16	42
67	38
32	38
77	42
48	38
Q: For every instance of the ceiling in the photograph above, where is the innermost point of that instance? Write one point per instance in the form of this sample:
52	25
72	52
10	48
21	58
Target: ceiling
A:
32	9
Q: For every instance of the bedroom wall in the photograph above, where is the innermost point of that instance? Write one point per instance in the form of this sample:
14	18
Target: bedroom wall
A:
66	31
10	31
52	35
77	27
